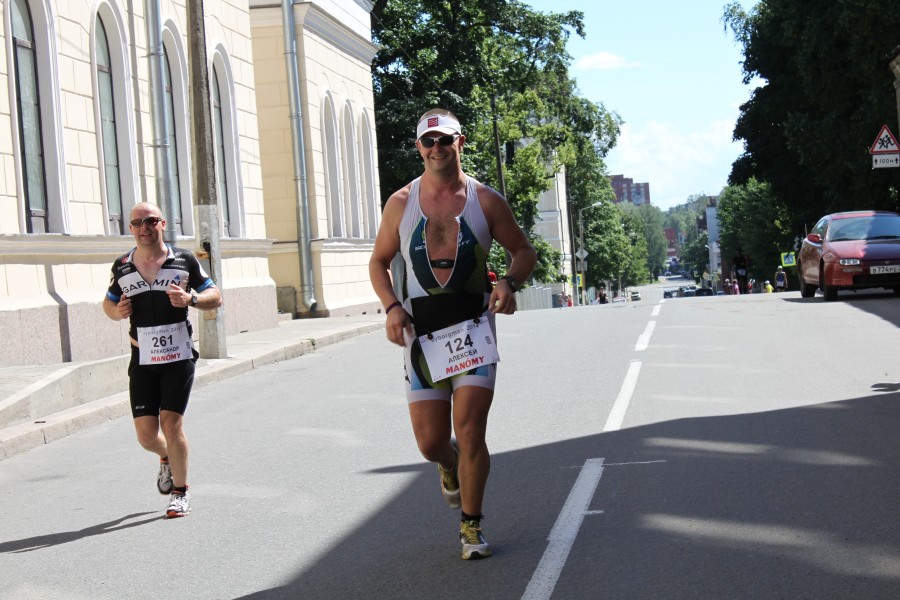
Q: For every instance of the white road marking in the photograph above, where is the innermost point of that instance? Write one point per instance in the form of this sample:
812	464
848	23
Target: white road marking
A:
644	340
564	531
617	414
562	536
655	311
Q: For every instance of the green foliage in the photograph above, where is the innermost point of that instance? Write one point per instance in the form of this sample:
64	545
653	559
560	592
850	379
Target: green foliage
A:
752	218
828	90
495	64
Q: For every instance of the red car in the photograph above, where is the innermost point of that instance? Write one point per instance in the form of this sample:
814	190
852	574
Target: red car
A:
851	251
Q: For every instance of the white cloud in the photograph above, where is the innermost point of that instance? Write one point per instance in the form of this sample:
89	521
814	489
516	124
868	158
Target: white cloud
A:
603	61
676	164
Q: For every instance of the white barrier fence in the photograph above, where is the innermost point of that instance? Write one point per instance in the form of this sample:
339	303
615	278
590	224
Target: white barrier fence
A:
534	297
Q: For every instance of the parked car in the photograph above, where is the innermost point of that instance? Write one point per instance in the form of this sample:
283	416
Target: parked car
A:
618	299
635	296
670	293
704	292
851	251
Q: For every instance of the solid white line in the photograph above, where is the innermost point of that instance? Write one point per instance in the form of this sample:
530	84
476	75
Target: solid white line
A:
562	536
617	414
644	340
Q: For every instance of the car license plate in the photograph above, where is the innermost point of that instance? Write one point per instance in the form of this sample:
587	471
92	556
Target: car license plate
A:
883	270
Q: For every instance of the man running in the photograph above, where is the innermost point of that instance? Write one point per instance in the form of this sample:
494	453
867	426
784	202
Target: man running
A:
443	224
153	285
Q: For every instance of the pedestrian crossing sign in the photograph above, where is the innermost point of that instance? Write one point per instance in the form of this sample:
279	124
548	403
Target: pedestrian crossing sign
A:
788	259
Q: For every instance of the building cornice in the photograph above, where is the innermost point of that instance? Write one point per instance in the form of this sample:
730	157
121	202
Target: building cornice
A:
75	248
312	18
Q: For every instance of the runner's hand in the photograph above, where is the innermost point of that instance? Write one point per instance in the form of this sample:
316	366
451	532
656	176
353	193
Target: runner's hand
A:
397	323
177	296
124	306
503	299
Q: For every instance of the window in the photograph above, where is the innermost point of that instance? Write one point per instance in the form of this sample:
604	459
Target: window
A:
351	176
367	154
108	136
28	104
332	170
174	175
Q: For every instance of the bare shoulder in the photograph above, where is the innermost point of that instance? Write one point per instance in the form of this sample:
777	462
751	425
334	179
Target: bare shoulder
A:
492	202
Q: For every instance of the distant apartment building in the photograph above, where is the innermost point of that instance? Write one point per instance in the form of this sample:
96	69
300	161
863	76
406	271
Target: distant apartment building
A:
629	192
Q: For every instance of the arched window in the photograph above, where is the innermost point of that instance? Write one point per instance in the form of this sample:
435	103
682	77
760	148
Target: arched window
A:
108	135
367	160
332	170
174	171
353	198
219	140
29	112
227	146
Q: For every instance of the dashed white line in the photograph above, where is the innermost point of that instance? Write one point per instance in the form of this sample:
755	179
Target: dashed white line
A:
617	414
644	340
562	536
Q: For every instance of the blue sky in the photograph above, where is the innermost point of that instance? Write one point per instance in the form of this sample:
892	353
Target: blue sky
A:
673	74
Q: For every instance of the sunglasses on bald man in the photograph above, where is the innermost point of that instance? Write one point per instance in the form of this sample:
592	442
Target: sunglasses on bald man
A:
151	221
444	140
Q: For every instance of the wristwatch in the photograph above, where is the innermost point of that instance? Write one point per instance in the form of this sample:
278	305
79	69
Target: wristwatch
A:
512	281
193	299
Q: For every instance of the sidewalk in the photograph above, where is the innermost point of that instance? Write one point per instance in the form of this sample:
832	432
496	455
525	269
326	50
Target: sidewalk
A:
40	404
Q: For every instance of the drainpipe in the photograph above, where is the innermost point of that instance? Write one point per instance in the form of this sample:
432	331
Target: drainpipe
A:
307	288
164	197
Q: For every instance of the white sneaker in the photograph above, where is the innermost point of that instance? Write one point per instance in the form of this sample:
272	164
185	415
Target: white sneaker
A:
179	505
164	481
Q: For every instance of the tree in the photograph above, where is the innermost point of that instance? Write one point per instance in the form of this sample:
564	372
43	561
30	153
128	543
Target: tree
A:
752	218
494	63
827	91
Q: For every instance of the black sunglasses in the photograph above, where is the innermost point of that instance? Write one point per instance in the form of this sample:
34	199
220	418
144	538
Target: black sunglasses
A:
444	140
151	221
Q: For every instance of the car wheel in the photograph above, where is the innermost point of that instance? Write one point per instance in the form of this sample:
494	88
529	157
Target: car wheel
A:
829	291
807	290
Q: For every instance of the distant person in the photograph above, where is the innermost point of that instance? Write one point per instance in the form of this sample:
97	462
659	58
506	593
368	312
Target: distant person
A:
727	287
603	298
781	283
735	288
769	288
492	277
739	266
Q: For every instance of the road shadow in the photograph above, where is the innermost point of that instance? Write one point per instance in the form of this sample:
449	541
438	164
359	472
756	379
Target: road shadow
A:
55	539
794	503
881	303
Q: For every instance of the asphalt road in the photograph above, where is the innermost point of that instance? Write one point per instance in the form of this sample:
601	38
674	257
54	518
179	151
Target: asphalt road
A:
730	447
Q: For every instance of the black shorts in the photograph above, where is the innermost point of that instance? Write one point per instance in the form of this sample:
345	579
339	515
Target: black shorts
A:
153	388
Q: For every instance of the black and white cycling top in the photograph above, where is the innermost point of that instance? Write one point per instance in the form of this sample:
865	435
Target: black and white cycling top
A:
149	302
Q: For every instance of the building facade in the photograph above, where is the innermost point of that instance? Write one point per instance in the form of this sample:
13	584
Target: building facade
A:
77	152
337	158
629	192
554	225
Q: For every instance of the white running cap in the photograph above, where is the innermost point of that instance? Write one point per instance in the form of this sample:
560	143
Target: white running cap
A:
439	124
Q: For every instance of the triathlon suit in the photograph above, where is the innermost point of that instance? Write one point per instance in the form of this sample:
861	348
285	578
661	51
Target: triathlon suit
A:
162	375
469	276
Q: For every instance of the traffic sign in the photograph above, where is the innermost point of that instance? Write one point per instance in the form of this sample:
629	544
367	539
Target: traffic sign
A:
885	143
581	254
885	161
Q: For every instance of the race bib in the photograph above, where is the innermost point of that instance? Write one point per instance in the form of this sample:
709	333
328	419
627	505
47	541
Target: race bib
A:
458	348
164	343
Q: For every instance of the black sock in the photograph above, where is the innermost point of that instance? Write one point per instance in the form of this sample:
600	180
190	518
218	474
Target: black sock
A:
180	490
465	517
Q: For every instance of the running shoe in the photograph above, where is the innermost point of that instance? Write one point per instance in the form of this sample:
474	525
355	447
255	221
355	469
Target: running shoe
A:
450	480
473	543
179	506
164	481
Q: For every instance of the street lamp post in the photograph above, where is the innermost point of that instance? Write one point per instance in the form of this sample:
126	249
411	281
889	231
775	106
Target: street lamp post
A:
582	251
